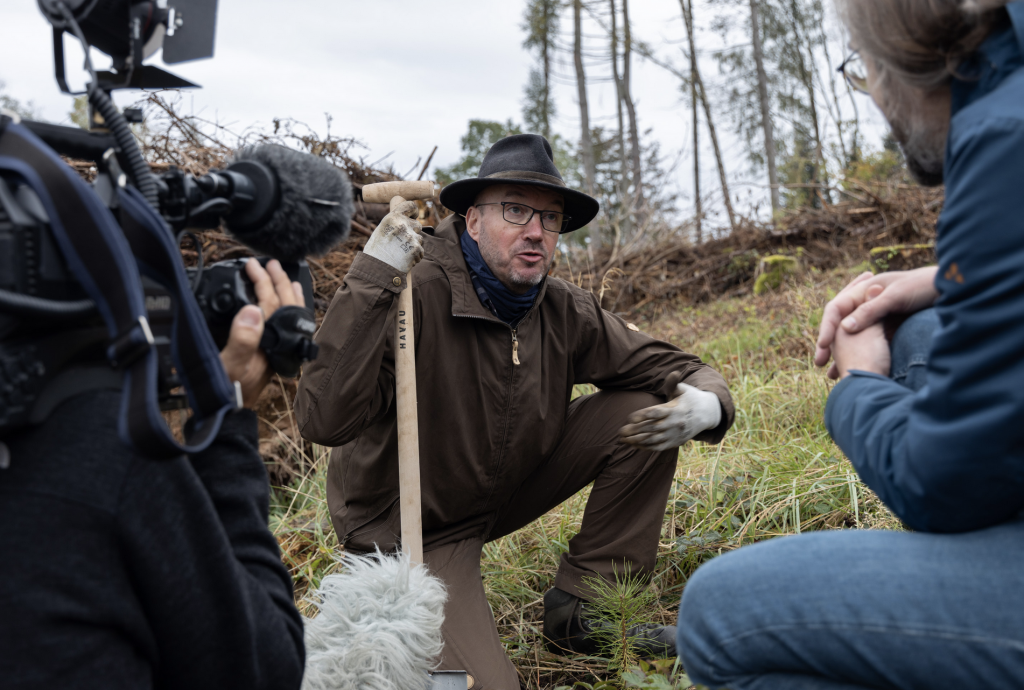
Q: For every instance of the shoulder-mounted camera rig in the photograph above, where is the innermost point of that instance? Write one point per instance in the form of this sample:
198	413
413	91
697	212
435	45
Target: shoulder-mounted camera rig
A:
93	291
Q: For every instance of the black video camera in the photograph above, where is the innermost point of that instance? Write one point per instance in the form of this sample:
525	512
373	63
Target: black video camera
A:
286	204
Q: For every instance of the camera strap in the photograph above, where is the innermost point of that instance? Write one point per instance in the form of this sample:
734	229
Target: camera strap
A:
195	355
101	259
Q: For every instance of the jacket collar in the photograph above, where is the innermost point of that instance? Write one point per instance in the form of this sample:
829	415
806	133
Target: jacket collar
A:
1000	55
447	252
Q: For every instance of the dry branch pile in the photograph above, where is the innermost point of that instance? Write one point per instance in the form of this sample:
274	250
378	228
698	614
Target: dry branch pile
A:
842	234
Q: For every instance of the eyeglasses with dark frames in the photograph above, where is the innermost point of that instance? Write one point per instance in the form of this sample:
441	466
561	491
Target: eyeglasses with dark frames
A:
521	214
855	72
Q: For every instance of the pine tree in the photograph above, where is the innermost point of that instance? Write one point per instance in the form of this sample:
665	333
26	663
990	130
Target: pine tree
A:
776	78
26	111
622	219
586	147
541	23
763	102
480	136
698	89
625	94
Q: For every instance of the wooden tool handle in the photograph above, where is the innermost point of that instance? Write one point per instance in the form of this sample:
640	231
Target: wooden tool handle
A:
408	427
382	192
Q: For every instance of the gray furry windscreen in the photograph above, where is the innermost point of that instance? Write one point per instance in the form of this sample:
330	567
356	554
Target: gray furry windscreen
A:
316	205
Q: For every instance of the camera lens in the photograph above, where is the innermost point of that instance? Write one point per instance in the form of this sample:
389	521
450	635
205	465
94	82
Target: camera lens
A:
223	302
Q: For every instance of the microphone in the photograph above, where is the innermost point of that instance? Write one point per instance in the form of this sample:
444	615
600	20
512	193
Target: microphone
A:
278	201
304	209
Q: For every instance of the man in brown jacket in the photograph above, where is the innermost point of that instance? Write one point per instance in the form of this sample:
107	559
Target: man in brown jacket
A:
499	349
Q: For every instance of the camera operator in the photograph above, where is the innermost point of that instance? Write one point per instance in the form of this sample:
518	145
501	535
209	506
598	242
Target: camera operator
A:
120	571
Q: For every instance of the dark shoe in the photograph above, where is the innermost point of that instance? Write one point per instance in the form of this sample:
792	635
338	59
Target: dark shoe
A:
568	628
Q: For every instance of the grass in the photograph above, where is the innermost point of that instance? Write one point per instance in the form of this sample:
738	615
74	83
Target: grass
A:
777	472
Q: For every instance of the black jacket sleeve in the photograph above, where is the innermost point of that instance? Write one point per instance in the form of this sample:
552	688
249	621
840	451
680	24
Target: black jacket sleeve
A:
206	568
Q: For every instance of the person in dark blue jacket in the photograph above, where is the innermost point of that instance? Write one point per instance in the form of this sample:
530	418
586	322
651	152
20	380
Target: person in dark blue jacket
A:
931	421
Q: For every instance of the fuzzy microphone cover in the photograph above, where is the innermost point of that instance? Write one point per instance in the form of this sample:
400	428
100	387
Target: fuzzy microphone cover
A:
316	206
378	626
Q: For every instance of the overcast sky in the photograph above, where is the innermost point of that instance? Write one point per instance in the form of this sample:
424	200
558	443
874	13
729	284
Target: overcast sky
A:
399	76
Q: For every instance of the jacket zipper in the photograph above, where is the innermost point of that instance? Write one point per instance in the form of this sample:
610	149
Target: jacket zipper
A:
508	405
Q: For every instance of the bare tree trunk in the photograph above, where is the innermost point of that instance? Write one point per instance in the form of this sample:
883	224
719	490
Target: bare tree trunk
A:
855	145
807	77
698	210
820	171
545	57
766	115
586	147
623	165
840	124
711	121
718	153
627	99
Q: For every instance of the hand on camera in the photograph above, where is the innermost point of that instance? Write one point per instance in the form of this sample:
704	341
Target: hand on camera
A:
396	241
242	358
674	423
866	301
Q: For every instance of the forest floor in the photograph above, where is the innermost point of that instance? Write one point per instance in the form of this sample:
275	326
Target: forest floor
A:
777	472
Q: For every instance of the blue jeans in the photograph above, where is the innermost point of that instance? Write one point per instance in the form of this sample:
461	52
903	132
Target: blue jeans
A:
909	349
856	609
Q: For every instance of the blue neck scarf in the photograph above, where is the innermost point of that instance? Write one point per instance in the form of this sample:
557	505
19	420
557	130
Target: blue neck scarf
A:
505	304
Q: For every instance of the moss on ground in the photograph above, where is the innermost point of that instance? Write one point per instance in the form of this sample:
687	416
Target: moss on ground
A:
900	257
774	269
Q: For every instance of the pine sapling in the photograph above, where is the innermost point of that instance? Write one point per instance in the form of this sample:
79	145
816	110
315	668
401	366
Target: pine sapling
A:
613	610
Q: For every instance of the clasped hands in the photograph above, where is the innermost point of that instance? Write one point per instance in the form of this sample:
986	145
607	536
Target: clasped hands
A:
851	331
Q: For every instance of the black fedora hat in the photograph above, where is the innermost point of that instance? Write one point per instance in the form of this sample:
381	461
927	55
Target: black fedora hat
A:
521	159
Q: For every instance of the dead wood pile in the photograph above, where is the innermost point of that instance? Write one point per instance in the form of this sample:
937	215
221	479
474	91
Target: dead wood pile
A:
647	275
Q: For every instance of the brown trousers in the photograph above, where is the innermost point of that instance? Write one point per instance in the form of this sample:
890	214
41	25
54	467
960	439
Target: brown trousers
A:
620	531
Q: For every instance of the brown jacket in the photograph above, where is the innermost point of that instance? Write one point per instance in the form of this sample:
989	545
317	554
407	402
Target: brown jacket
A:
485	422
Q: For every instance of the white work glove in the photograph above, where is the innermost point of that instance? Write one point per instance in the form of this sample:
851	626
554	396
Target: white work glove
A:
673	423
396	241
